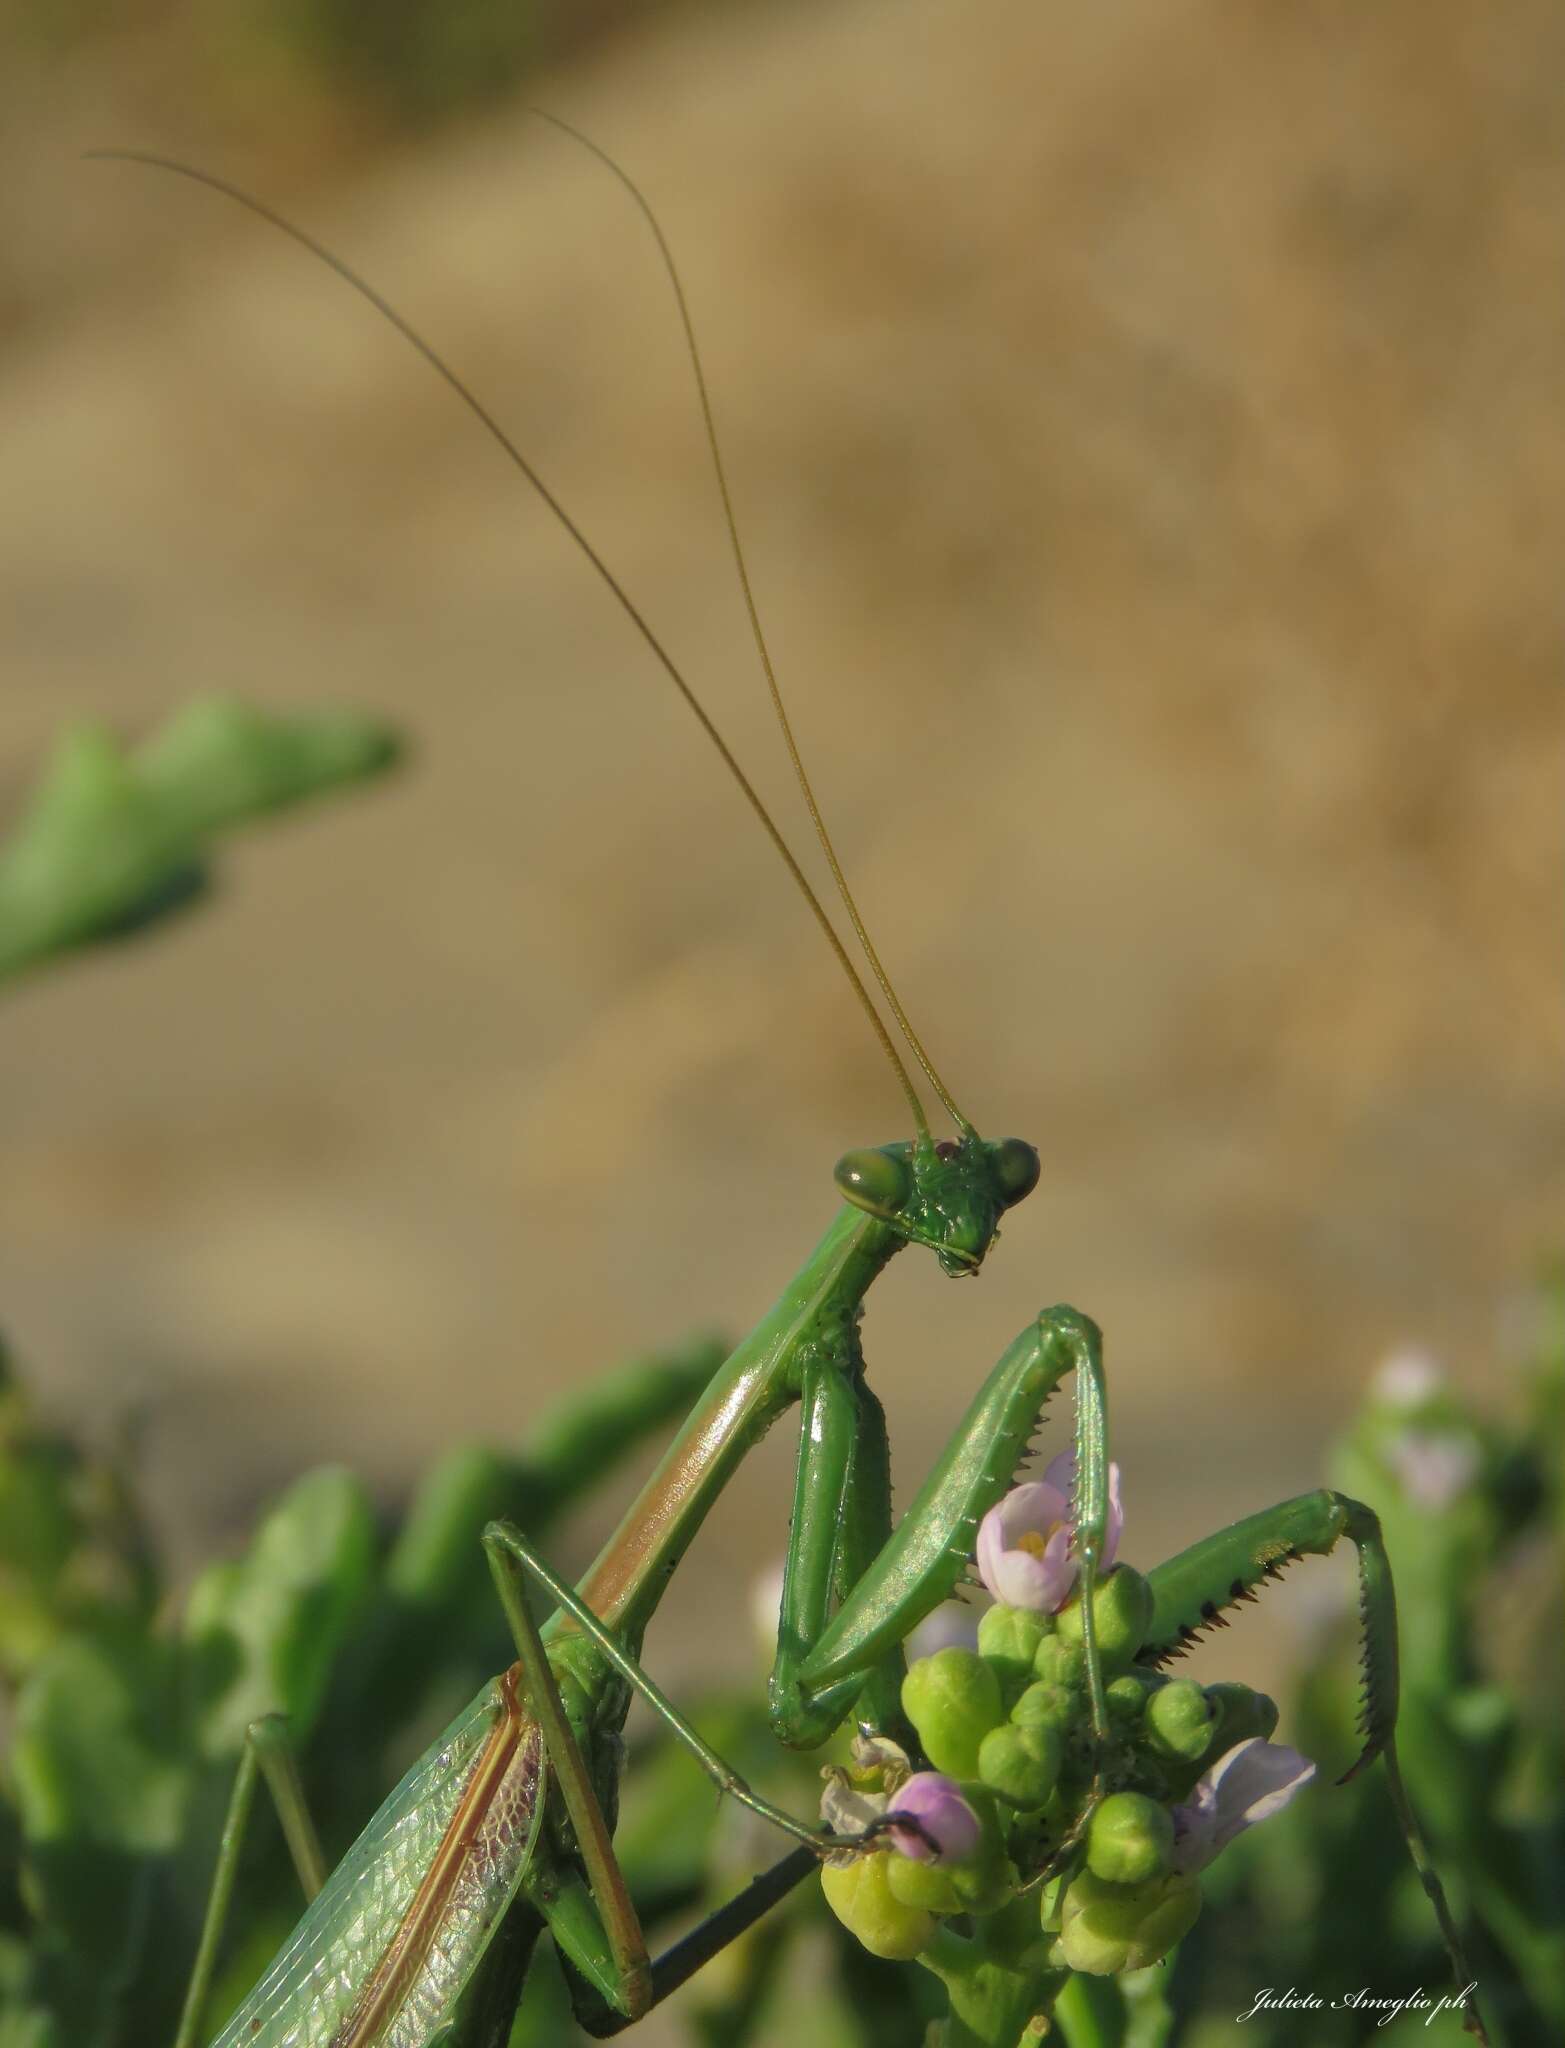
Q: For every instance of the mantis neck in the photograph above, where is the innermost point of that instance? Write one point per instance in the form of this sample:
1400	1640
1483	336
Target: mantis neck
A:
818	1311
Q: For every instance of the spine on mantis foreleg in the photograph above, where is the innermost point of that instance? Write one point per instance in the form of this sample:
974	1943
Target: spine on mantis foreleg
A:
1192	1591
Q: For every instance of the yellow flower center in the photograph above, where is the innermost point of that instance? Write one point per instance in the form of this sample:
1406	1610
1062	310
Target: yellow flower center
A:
1034	1541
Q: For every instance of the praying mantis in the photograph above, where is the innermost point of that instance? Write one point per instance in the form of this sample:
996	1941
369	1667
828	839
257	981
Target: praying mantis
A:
503	1828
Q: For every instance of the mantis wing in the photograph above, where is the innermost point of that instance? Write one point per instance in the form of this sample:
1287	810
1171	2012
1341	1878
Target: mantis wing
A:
388	1945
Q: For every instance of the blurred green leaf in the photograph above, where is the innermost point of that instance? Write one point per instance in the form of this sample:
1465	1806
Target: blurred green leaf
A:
263	1632
93	855
72	1550
100	1795
109	845
219	763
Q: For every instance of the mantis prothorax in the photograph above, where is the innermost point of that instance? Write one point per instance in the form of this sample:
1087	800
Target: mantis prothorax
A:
504	1826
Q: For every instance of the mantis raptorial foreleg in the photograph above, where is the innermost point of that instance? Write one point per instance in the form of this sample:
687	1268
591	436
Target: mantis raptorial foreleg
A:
1192	1590
840	1523
921	1563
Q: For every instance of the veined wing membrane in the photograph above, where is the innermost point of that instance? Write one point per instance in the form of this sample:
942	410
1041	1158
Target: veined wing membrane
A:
393	1937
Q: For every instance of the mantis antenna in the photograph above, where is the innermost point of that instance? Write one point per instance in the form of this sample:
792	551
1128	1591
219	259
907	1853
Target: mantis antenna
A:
349	276
785	724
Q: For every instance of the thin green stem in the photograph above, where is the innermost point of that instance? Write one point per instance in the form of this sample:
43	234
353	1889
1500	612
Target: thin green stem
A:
219	1899
268	1738
996	1978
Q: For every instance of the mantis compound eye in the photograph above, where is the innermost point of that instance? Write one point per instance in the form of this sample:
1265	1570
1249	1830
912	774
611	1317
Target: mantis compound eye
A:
876	1181
1016	1166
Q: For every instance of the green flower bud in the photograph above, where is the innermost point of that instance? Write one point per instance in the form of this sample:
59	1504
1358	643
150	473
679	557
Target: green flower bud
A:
1106	1928
986	1886
929	1886
1130	1839
860	1895
1044	1705
1238	1713
1126	1698
1121	1612
1021	1765
953	1700
1008	1639
1179	1721
1060	1663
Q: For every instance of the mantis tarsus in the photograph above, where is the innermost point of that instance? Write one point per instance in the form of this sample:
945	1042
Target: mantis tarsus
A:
401	1941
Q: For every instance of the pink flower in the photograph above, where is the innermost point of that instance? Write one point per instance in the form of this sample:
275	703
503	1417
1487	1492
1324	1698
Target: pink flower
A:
1436	1467
1409	1378
1254	1780
1024	1544
947	1828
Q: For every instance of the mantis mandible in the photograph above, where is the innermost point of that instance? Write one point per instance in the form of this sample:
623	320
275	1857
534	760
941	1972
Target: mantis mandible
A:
503	1827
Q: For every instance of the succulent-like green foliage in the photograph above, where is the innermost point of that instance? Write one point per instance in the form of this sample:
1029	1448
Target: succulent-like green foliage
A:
1471	1500
128	1713
126	1718
112	842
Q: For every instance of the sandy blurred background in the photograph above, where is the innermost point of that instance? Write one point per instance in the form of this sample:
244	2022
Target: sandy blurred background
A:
1145	424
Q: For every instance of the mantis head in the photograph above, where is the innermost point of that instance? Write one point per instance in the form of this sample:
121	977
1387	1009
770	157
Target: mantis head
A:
949	1196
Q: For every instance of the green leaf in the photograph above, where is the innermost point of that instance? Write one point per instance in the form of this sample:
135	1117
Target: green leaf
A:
109	845
262	1633
100	1797
219	763
92	1757
95	853
72	1552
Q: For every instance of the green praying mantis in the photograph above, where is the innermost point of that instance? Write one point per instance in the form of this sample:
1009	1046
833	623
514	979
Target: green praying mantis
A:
503	1828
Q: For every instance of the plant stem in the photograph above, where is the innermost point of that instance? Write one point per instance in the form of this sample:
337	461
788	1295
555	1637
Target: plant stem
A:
997	1978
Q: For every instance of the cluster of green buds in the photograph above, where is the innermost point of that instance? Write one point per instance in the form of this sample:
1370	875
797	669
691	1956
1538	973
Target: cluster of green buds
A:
1009	1801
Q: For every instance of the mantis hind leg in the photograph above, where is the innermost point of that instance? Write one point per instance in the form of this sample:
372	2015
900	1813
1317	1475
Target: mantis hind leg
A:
677	1965
596	1923
267	1757
1192	1591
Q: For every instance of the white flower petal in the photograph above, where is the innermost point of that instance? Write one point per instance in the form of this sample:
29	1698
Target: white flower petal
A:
1408	1377
1032	1508
1019	1579
1435	1466
1248	1784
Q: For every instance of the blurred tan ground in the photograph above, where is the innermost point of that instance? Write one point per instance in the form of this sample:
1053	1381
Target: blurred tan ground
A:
1145	424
